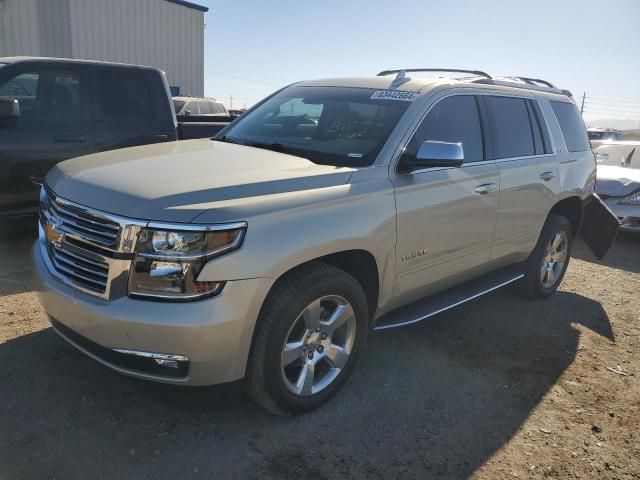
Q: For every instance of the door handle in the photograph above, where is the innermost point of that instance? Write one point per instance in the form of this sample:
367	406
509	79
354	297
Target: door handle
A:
37	178
546	176
486	188
70	138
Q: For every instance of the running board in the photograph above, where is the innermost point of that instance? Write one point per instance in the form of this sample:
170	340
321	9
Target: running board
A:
440	302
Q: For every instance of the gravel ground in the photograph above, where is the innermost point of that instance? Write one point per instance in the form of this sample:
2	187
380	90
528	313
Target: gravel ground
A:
499	388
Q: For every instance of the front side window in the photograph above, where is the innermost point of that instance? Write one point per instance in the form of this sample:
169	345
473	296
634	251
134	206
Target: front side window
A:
513	133
124	95
572	126
49	94
455	120
203	108
216	107
24	88
329	125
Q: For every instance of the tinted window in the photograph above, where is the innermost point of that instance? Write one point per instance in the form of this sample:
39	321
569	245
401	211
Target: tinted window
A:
48	94
217	107
572	126
512	129
124	95
329	125
24	88
177	105
456	120
203	108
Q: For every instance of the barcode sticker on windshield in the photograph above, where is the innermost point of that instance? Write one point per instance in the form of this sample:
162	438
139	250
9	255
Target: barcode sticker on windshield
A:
394	95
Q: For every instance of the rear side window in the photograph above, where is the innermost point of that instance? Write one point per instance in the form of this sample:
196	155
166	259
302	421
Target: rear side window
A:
124	95
572	126
216	107
455	119
513	131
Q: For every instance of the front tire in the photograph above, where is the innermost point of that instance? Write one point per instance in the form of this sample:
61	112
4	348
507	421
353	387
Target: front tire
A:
549	260
307	339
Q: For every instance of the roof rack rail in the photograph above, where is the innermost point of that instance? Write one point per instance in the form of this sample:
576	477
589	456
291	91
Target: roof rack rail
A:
478	73
525	83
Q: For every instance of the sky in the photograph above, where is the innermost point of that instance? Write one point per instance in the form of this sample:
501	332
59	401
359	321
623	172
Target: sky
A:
255	47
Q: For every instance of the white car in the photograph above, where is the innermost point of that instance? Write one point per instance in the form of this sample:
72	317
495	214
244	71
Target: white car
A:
618	181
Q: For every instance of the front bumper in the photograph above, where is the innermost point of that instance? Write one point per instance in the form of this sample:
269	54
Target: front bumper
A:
213	334
629	215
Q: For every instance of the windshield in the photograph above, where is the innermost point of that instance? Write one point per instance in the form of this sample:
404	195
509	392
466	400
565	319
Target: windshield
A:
177	105
328	125
3	64
619	155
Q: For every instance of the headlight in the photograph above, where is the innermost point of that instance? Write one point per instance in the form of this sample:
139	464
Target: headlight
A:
168	261
633	199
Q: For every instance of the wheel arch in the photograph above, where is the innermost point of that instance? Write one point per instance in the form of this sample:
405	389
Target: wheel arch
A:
571	209
359	263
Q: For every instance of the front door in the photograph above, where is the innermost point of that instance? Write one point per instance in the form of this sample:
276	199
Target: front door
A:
54	125
446	217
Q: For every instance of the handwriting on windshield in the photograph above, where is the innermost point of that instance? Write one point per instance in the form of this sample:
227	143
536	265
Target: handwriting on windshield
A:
347	129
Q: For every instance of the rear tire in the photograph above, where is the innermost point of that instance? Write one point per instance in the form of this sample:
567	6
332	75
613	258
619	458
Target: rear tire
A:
549	260
310	332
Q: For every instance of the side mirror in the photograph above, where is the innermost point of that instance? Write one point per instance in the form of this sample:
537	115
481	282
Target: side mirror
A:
433	154
9	109
186	113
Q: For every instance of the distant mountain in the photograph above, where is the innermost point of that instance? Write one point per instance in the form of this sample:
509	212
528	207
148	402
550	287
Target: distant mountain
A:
618	124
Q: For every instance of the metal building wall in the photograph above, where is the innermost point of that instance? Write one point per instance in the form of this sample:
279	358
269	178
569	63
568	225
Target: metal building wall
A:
147	32
18	31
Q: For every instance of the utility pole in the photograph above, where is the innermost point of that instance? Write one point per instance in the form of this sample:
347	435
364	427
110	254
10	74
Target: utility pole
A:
231	102
584	96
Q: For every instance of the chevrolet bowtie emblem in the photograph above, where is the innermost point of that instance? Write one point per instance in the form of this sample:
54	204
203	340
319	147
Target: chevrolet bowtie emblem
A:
52	234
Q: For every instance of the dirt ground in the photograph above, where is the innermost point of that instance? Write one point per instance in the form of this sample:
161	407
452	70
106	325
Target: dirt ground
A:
500	388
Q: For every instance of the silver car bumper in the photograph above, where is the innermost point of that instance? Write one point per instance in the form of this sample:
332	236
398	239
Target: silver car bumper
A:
194	343
629	215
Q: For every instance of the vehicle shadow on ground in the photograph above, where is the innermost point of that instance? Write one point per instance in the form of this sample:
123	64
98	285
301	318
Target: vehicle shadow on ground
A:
435	399
623	255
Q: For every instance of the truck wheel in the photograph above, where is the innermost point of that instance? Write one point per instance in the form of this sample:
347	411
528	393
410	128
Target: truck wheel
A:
548	262
307	339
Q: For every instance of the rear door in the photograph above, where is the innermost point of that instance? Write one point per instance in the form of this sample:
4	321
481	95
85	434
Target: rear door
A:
446	216
55	124
529	178
131	108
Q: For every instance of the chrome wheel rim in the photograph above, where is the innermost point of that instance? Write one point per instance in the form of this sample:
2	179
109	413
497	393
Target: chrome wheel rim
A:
554	259
318	345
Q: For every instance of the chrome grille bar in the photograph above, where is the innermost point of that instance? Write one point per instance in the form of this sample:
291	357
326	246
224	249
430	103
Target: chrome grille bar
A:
87	249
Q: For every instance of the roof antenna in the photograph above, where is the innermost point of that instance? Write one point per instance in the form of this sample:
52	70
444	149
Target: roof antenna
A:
400	79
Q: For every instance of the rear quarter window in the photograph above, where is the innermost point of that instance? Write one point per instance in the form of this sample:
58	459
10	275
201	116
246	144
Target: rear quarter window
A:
572	126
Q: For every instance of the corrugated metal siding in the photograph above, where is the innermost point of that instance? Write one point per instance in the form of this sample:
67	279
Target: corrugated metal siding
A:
19	28
147	32
54	28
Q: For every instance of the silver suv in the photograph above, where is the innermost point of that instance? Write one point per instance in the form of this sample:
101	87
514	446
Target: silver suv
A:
330	209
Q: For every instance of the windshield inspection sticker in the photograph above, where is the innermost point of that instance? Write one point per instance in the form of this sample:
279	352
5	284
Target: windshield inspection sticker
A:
394	95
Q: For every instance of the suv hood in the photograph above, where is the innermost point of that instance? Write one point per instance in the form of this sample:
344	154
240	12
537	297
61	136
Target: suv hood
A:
617	181
176	182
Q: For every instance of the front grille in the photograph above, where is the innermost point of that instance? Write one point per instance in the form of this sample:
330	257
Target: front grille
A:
81	223
87	249
79	267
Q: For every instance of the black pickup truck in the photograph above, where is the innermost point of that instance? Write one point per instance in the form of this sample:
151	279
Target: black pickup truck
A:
55	109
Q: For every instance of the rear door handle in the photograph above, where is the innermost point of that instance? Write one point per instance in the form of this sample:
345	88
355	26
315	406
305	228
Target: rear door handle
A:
70	138
486	188
546	176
